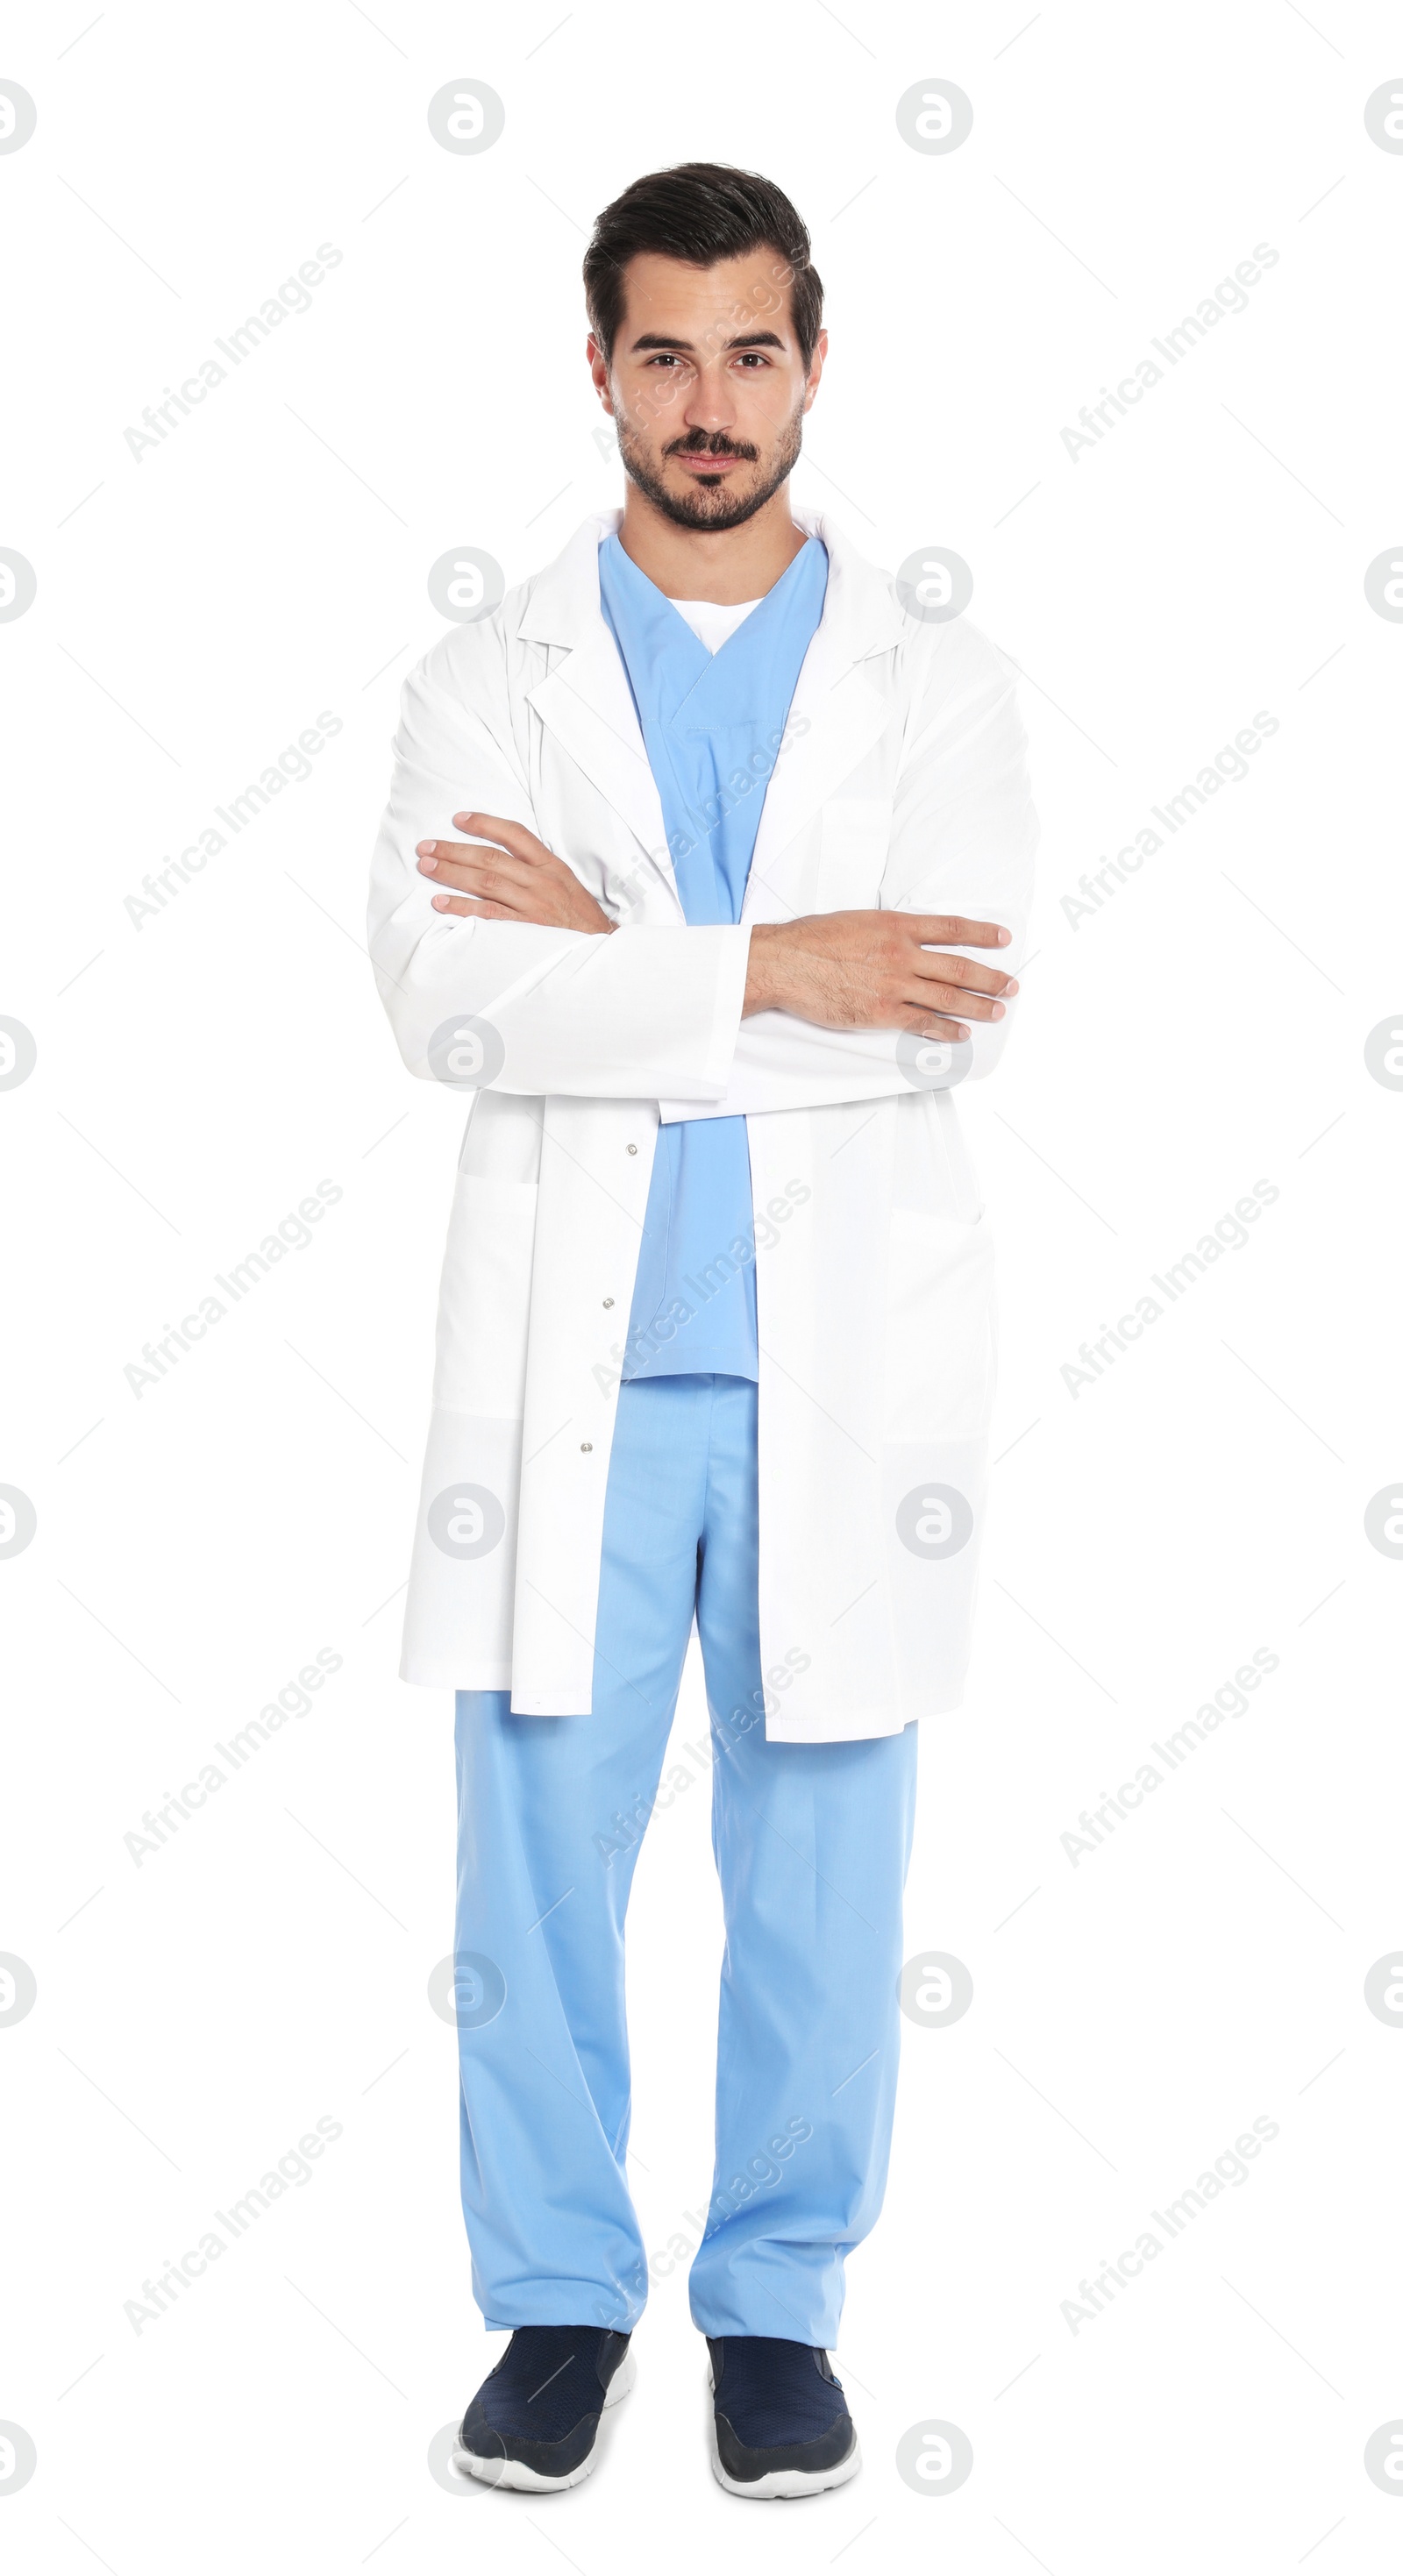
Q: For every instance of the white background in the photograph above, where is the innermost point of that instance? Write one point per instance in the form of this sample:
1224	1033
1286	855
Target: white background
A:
196	1077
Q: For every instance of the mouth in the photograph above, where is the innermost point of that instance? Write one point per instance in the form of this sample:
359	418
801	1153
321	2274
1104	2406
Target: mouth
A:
709	465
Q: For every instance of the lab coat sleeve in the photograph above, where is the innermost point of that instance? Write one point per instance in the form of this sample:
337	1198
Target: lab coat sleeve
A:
962	841
627	1016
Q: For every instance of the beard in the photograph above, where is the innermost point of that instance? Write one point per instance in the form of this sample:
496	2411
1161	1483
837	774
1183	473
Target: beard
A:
722	507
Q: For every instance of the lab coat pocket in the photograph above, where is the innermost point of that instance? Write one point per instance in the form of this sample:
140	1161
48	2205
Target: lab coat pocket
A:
485	1301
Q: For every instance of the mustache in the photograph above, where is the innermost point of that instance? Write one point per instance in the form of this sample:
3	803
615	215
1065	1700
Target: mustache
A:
696	443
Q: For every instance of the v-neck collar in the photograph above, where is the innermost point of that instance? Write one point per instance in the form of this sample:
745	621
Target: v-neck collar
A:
684	674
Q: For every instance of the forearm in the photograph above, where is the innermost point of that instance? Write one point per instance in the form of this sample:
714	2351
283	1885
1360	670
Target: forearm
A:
766	984
640	1015
786	1063
832	1010
636	1015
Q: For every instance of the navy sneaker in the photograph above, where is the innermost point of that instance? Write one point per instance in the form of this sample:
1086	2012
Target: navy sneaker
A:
781	2425
534	2420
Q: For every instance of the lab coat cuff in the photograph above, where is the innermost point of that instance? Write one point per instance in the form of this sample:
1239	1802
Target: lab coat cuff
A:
732	970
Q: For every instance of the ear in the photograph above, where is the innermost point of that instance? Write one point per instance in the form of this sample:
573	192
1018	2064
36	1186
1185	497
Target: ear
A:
599	372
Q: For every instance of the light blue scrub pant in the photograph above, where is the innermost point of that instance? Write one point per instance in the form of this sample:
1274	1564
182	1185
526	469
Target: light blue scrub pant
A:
811	1842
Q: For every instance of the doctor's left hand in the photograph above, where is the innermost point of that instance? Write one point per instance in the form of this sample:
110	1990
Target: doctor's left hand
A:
506	874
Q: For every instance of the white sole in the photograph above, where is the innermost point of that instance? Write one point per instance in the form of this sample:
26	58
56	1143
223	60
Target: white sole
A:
782	2482
515	2473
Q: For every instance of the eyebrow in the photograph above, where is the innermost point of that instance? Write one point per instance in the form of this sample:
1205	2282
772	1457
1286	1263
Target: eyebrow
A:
743	340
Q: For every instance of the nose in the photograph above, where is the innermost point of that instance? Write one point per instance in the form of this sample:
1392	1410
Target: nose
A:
710	404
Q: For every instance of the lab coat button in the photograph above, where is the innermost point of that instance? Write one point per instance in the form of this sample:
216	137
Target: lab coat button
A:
608	1301
586	1444
632	1149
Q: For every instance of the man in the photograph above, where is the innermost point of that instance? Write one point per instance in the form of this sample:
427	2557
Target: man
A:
742	832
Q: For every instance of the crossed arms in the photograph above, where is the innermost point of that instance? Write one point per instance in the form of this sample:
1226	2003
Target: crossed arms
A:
709	1020
840	970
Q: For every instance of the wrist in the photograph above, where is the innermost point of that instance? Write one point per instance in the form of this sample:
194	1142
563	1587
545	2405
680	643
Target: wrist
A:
764	971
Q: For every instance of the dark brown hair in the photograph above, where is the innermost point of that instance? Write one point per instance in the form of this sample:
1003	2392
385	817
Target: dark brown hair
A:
702	211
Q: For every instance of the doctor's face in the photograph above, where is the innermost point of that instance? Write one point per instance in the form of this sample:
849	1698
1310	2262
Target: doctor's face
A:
706	384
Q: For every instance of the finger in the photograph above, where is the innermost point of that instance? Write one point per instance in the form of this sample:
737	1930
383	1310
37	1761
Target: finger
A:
923	1026
963	970
508	835
475	864
940	996
472	909
433	855
950	929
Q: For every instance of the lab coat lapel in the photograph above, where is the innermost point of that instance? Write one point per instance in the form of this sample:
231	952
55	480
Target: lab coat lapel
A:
842	707
586	701
587	704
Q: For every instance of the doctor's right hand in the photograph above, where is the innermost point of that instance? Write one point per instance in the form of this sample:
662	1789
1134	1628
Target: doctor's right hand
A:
505	874
877	970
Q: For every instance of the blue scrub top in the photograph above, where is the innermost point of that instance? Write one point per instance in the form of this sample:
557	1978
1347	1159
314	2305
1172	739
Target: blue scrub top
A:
712	727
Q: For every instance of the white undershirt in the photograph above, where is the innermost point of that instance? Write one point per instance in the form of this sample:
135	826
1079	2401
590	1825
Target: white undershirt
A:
714	622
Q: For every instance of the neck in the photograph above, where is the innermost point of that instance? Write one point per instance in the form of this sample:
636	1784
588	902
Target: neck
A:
724	565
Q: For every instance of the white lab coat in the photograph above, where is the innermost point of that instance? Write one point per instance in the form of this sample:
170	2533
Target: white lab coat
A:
900	783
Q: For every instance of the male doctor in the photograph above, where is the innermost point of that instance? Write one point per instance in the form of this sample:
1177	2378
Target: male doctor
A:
744	829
